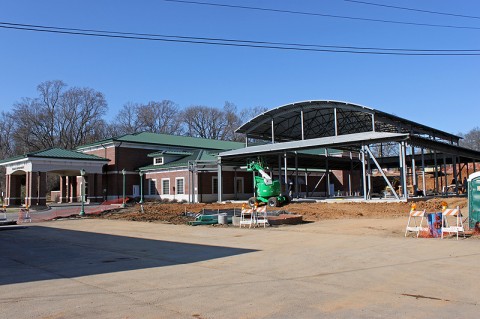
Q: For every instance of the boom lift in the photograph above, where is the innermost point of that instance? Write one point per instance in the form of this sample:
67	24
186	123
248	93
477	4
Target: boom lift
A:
266	190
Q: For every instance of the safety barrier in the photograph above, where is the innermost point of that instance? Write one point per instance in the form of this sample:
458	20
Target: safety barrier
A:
24	216
414	214
457	223
255	216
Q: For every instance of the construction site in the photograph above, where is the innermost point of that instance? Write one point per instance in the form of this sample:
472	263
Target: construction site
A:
328	209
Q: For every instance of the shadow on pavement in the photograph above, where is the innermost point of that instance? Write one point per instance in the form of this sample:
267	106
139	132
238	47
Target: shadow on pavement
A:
42	253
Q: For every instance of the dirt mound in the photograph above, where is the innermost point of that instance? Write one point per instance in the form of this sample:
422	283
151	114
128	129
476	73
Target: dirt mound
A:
175	213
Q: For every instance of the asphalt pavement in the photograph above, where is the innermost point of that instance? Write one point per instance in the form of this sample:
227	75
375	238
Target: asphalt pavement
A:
91	268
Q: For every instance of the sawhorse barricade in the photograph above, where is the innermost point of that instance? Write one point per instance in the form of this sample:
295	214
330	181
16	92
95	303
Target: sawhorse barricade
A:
414	214
254	216
24	216
457	224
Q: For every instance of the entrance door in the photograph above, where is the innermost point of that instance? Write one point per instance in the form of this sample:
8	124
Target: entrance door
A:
136	190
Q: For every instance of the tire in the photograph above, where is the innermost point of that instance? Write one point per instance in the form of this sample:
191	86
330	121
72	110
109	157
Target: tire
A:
252	201
272	202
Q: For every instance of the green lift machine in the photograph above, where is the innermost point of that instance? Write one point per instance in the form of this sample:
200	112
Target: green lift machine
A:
267	190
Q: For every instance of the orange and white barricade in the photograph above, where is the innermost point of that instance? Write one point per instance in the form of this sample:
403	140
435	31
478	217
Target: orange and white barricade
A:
247	217
412	218
24	216
254	216
261	216
455	217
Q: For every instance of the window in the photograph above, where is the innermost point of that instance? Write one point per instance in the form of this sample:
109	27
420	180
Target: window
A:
180	181
214	184
165	186
152	187
158	161
239	185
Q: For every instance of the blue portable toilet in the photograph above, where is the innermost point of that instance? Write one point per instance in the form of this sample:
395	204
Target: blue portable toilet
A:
474	199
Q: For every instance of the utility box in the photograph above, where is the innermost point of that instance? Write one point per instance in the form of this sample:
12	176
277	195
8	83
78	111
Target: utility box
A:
474	199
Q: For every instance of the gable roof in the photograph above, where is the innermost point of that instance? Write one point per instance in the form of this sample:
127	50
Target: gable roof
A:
196	155
170	140
57	153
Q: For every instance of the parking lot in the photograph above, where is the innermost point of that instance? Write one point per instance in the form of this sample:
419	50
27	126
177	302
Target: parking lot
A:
333	269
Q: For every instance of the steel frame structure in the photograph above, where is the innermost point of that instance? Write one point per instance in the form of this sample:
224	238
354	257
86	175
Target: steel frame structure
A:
292	130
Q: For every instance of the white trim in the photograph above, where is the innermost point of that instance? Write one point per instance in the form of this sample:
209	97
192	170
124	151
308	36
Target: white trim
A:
120	172
100	147
166	169
161	162
163	180
176	185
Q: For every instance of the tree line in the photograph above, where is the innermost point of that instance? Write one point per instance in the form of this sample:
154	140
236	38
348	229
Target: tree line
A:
66	117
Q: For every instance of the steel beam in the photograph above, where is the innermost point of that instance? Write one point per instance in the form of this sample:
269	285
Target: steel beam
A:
383	174
364	179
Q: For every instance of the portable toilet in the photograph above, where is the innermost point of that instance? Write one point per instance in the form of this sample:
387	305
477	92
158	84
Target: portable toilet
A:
474	199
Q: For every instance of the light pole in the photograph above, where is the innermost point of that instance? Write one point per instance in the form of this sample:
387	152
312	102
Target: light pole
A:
82	192
141	187
123	173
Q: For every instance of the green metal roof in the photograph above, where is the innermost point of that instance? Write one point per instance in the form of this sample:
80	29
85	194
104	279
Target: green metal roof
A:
171	140
197	155
181	153
57	153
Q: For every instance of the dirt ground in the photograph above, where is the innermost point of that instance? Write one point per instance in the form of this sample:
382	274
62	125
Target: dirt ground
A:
175	213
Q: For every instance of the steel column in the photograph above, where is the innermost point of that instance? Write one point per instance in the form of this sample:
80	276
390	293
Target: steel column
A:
335	120
414	171
364	179
302	124
273	133
445	172
328	173
219	179
296	174
454	168
424	187
286	173
369	175
436	171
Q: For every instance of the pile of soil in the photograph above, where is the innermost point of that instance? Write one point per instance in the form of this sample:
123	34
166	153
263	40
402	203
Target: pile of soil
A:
175	213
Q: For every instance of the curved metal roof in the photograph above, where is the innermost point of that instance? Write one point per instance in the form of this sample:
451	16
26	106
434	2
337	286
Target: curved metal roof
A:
319	121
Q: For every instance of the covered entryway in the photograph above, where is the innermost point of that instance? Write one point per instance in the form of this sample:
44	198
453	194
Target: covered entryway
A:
26	176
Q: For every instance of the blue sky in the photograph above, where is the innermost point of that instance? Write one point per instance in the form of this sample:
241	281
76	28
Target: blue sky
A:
442	92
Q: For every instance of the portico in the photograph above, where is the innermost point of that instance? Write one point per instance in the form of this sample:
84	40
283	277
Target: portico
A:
26	176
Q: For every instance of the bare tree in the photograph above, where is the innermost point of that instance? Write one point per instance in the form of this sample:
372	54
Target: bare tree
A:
250	113
210	122
32	130
471	139
50	97
159	117
126	121
7	145
58	117
245	116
